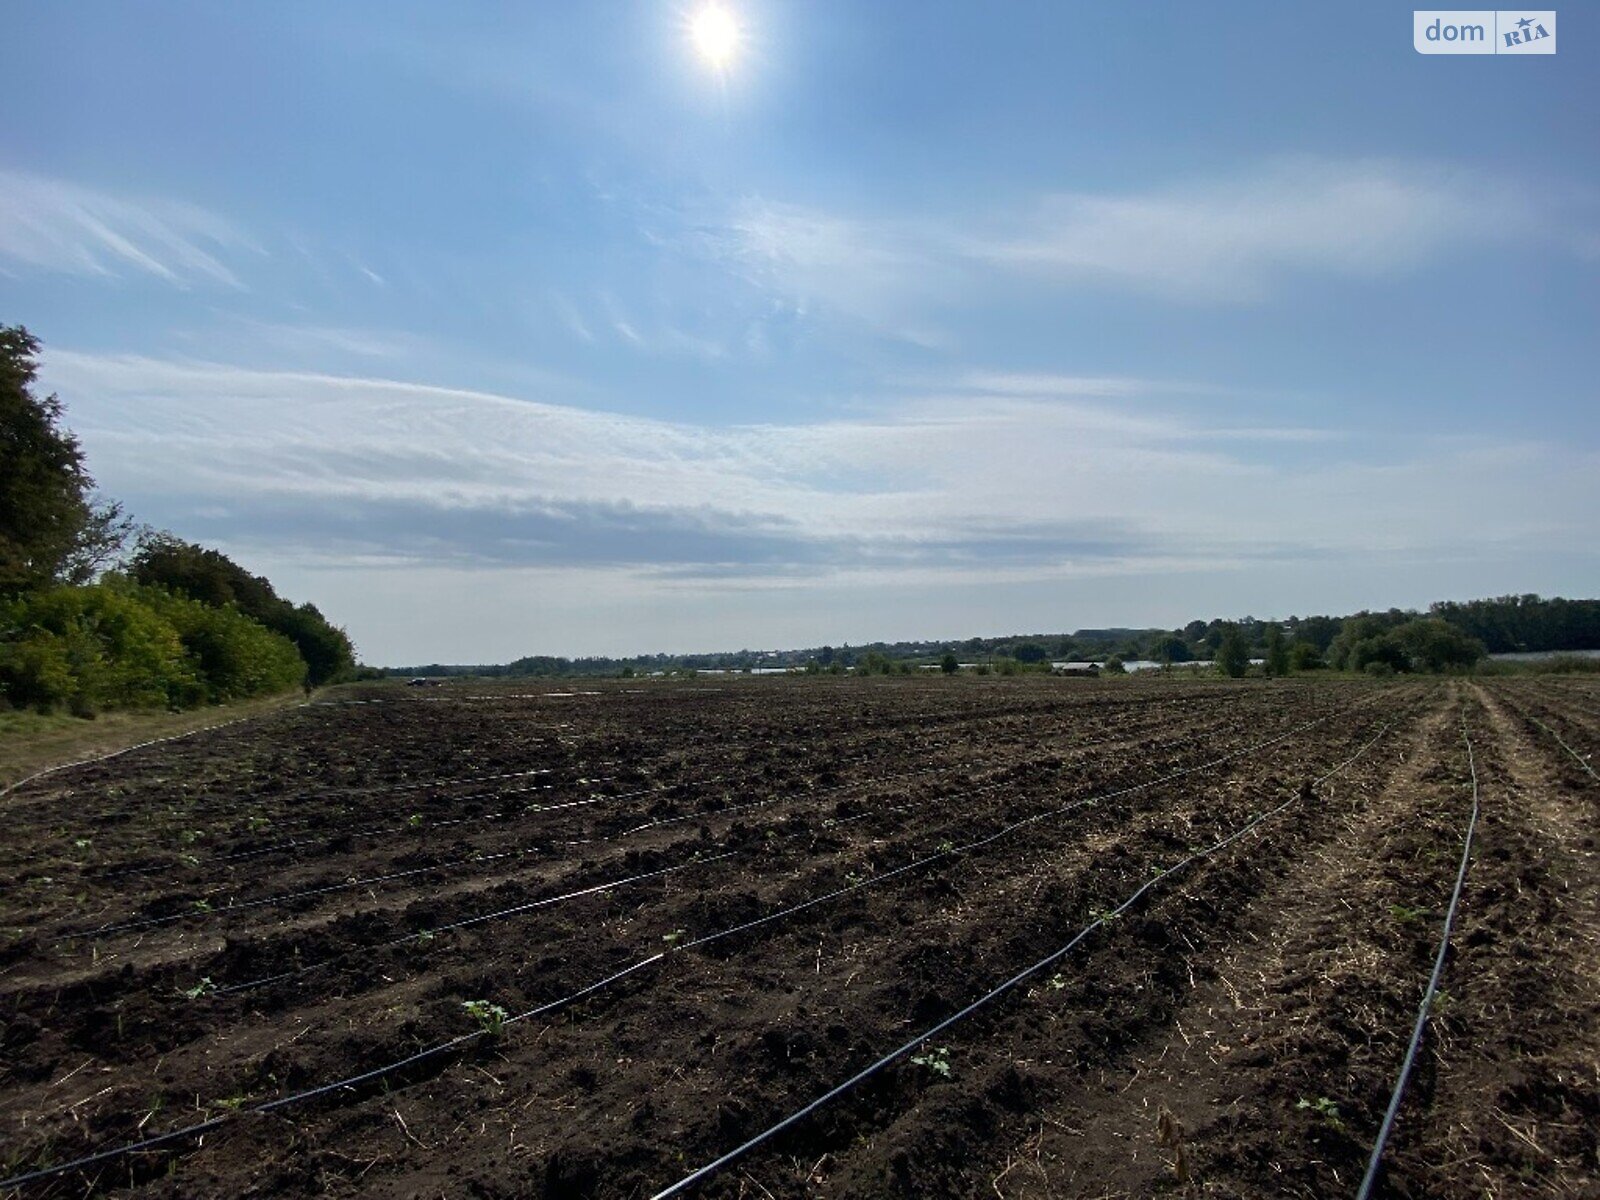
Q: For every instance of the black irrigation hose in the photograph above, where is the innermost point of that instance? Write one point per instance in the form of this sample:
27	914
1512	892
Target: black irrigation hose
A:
475	919
965	794
85	762
323	838
1375	1163
1022	976
202	1127
1576	757
410	785
515	910
346	885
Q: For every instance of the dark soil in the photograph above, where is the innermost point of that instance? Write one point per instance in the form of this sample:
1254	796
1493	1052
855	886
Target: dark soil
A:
196	929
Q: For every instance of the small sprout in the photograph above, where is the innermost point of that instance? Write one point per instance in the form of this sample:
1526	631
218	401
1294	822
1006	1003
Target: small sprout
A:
937	1060
414	821
1406	916
190	836
204	988
425	936
202	905
232	1103
946	846
1104	915
491	1018
676	936
1324	1108
257	823
1057	982
189	860
83	843
853	878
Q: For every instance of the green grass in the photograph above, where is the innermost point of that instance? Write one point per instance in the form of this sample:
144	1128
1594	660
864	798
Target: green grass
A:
32	741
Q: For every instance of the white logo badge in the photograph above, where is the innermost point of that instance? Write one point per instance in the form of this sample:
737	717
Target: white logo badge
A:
1484	31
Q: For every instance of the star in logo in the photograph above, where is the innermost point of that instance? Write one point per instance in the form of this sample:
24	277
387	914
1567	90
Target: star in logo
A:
1524	23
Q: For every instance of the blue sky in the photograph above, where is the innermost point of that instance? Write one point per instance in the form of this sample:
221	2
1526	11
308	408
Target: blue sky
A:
507	329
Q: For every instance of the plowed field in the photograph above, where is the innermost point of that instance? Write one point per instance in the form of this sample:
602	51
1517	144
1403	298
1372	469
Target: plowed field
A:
572	942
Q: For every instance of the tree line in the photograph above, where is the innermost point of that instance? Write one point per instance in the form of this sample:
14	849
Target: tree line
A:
98	613
1449	636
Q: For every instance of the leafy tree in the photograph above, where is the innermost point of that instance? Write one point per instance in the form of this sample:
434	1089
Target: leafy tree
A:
1169	648
949	664
1233	652
233	656
213	579
51	526
1113	666
88	648
1277	650
1030	652
1434	645
1304	656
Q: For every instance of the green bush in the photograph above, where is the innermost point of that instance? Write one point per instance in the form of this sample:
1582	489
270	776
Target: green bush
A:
234	656
90	648
119	645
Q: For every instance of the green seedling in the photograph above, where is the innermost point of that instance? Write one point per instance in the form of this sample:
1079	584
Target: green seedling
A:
853	878
189	860
190	836
414	821
936	1059
83	843
204	988
1407	916
946	846
232	1103
202	906
676	936
257	823
425	937
1324	1108
491	1018
1057	982
1104	915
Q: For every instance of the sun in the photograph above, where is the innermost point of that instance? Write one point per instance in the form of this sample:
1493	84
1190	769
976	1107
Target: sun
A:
715	32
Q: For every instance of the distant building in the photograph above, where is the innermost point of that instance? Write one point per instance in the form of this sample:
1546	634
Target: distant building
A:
1082	669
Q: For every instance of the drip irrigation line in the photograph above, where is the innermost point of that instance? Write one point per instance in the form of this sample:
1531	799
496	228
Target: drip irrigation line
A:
638	965
98	758
370	831
1020	977
827	825
959	795
199	914
476	919
283	897
519	909
1375	1162
1576	757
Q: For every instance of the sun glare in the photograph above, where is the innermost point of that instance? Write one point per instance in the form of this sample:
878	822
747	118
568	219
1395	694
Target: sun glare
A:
715	33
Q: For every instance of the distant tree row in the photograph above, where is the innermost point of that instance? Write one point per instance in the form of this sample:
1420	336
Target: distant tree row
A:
1450	636
87	623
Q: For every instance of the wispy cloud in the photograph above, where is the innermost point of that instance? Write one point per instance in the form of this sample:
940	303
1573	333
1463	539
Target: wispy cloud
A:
932	488
52	225
1238	238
